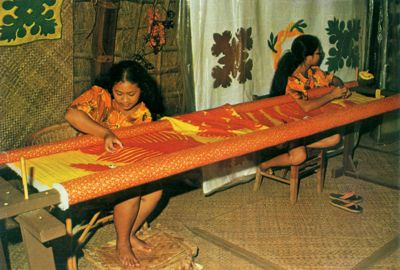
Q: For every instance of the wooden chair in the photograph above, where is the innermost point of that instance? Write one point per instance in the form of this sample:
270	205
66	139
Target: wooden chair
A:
54	133
291	175
60	132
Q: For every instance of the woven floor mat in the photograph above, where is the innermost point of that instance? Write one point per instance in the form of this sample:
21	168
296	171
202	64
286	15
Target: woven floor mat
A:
312	234
170	252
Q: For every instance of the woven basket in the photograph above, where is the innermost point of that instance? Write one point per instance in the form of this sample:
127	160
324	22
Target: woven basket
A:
52	133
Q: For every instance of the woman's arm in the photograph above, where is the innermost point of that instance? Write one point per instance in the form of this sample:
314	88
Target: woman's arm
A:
312	104
81	121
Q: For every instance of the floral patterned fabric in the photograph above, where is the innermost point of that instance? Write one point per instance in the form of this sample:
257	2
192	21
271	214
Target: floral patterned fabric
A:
98	104
155	150
298	85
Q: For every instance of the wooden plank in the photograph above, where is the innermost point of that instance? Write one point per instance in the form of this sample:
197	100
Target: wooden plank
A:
12	201
236	250
379	254
41	225
103	43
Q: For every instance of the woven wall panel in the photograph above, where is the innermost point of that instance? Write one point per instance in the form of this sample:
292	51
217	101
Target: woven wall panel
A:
36	84
131	30
84	20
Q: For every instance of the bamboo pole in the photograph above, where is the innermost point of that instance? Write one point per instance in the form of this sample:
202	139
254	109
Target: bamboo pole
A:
24	178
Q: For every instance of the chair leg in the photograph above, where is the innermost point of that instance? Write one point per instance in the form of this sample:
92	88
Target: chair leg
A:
257	182
321	172
294	183
85	232
71	260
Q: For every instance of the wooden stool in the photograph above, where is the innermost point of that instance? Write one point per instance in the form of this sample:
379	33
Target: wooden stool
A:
315	163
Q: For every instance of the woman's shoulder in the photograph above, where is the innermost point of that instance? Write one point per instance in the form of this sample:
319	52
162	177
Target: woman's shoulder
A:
94	94
142	108
95	89
323	77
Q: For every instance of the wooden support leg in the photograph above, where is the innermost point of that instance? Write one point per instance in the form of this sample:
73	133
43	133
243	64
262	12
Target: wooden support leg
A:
257	182
321	172
71	260
39	256
294	183
38	227
3	262
348	165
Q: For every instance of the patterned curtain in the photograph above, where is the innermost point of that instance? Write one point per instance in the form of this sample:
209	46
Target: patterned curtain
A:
236	45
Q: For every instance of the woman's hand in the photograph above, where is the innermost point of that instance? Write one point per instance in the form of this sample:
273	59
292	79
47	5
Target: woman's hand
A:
340	92
347	94
111	142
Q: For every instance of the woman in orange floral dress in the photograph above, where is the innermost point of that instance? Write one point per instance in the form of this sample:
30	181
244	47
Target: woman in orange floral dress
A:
120	99
298	71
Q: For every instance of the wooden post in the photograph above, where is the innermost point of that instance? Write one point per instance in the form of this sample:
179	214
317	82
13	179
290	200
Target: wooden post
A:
37	228
103	43
3	261
37	225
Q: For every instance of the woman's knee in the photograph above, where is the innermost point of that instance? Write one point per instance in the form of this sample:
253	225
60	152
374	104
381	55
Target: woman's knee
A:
154	196
334	140
297	155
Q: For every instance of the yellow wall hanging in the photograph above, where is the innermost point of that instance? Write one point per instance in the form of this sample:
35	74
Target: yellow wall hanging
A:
27	21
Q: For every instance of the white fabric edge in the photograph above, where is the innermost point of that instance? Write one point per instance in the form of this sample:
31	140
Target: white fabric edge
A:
63	205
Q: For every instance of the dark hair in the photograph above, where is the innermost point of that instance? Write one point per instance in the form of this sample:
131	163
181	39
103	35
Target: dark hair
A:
133	72
302	47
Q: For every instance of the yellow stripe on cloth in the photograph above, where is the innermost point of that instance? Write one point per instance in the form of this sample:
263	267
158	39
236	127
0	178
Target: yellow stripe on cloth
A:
355	98
190	130
48	170
198	135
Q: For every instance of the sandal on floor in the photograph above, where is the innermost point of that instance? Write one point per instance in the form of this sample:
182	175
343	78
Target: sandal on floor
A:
347	197
351	207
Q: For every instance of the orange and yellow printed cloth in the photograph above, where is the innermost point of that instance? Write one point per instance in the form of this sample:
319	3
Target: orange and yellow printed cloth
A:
81	170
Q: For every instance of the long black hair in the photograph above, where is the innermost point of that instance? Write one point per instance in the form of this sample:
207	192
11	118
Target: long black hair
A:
302	47
133	72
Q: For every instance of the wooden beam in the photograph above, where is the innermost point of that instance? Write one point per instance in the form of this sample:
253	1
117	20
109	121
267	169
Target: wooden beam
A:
12	201
235	249
103	43
41	225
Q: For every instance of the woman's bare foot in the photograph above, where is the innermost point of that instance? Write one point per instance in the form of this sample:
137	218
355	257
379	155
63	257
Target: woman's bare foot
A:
141	245
126	255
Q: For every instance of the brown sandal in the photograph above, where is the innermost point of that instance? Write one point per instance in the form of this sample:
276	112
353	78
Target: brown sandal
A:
351	207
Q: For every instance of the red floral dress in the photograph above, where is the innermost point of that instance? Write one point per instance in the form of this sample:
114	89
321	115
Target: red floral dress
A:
98	104
298	85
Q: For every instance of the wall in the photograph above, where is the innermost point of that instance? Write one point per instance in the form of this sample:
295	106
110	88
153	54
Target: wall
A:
36	83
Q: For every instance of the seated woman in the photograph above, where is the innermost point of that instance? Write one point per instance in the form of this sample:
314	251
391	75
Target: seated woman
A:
298	71
121	98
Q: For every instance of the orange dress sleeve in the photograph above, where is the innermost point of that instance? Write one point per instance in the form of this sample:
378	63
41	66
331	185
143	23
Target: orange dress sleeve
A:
95	102
298	85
